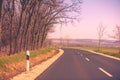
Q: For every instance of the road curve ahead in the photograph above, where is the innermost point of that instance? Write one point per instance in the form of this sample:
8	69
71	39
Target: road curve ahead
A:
82	65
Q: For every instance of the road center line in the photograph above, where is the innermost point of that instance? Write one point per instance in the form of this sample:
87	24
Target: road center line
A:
87	59
108	74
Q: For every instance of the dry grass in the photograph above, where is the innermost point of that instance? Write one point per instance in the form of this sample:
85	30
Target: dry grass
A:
12	69
111	51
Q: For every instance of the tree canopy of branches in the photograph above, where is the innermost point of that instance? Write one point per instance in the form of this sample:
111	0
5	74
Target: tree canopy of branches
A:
26	23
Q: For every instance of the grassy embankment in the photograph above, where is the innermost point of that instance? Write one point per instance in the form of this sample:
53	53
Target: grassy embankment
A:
108	51
14	64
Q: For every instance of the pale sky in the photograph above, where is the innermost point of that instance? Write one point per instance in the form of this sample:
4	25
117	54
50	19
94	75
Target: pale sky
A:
93	12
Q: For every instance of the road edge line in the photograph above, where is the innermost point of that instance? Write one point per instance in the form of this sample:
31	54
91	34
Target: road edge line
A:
112	57
104	55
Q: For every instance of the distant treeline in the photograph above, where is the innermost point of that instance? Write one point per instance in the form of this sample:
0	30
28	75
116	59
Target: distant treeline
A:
24	24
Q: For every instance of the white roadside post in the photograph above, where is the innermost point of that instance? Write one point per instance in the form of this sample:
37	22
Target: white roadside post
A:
28	61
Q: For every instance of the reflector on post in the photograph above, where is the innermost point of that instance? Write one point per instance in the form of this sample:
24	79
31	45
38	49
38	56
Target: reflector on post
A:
28	61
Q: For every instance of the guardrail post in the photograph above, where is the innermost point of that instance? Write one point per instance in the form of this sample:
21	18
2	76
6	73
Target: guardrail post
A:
28	61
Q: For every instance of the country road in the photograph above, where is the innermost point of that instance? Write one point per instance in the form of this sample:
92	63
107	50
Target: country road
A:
82	65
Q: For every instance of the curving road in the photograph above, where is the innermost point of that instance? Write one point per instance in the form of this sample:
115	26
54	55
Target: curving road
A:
82	65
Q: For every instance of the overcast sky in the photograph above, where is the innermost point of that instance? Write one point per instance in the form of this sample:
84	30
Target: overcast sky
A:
93	12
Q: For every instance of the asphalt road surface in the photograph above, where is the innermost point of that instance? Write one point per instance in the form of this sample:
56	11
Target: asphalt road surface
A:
82	65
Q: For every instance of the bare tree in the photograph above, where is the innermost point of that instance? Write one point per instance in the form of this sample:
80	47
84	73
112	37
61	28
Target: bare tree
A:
25	24
101	31
1	1
117	35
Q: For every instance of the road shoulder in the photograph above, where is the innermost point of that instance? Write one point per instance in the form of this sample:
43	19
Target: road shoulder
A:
104	55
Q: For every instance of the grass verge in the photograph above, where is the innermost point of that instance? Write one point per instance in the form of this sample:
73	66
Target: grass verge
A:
21	56
14	64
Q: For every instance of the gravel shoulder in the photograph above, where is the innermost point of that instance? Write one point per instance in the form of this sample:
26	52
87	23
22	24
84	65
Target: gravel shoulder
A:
38	69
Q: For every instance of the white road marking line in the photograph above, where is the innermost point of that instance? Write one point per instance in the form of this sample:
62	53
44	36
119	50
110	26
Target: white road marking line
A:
108	74
87	59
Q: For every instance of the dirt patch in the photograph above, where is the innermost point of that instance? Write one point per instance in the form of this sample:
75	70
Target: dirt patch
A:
16	68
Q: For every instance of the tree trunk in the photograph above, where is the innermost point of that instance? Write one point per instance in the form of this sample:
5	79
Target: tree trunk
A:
1	1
